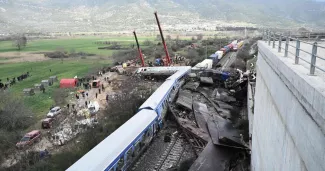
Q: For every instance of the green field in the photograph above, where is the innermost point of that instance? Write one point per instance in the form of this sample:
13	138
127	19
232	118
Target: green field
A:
40	103
83	44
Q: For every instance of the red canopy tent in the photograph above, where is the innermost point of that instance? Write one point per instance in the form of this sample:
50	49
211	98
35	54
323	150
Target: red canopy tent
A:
68	83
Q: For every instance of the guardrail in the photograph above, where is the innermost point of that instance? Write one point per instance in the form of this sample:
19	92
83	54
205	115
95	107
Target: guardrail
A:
269	37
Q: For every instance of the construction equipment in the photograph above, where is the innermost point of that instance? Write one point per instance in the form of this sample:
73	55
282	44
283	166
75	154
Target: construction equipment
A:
139	49
163	41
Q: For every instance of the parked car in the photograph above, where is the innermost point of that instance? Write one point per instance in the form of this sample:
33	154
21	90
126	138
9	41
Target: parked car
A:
47	123
93	107
54	111
29	139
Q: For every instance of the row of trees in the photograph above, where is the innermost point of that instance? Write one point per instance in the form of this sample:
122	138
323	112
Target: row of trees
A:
15	117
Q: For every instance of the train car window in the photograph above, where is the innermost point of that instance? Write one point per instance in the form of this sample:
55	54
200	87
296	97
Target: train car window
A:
120	164
128	156
156	127
137	147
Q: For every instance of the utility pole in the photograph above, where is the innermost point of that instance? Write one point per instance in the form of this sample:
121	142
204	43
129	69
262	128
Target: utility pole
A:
206	50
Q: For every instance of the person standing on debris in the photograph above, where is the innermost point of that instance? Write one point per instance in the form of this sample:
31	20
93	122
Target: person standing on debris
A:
106	97
96	95
87	94
103	87
86	103
99	90
68	106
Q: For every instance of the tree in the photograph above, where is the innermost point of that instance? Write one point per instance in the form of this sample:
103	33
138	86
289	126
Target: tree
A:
14	118
147	42
168	38
20	41
158	37
199	37
174	47
59	96
192	54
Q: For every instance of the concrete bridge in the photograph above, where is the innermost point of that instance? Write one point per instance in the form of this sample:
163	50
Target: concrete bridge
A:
288	122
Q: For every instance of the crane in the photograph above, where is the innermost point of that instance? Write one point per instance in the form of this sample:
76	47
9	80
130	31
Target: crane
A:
139	49
163	40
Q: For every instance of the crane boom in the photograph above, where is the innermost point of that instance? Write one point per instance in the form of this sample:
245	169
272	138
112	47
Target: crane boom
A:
163	40
139	49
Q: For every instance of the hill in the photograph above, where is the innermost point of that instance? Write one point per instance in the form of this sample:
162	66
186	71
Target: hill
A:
117	15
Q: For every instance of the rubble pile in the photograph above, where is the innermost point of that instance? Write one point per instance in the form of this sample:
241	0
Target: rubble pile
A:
210	109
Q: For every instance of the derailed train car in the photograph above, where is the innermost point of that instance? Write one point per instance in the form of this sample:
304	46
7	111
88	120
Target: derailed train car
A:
123	146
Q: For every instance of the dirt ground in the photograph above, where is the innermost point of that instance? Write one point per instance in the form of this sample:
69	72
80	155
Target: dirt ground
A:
13	57
45	143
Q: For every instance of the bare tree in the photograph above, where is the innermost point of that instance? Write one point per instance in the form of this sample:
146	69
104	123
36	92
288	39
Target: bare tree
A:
199	37
20	41
192	54
147	42
59	96
14	118
168	38
158	37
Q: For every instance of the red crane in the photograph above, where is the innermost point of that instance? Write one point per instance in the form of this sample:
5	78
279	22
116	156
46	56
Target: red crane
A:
139	49
163	40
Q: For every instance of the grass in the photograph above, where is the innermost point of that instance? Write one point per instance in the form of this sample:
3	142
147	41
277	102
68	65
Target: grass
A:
40	103
83	44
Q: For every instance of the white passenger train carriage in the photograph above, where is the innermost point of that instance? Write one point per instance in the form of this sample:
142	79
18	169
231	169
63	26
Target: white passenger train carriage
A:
180	73
205	64
158	100
158	70
119	149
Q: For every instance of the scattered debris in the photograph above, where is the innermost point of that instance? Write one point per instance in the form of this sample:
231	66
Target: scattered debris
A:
206	80
185	99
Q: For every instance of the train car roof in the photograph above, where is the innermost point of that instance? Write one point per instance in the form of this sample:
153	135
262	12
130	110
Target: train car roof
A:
107	151
154	100
180	73
161	69
206	63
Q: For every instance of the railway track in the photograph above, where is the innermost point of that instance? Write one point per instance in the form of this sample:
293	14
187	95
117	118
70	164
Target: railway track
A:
171	156
229	60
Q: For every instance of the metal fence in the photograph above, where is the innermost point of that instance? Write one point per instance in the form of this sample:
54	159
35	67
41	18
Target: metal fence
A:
272	37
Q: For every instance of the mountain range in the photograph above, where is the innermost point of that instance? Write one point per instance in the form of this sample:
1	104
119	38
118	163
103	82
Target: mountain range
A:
119	15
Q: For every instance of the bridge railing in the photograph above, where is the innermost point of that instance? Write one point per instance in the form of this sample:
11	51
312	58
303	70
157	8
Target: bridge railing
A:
282	43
